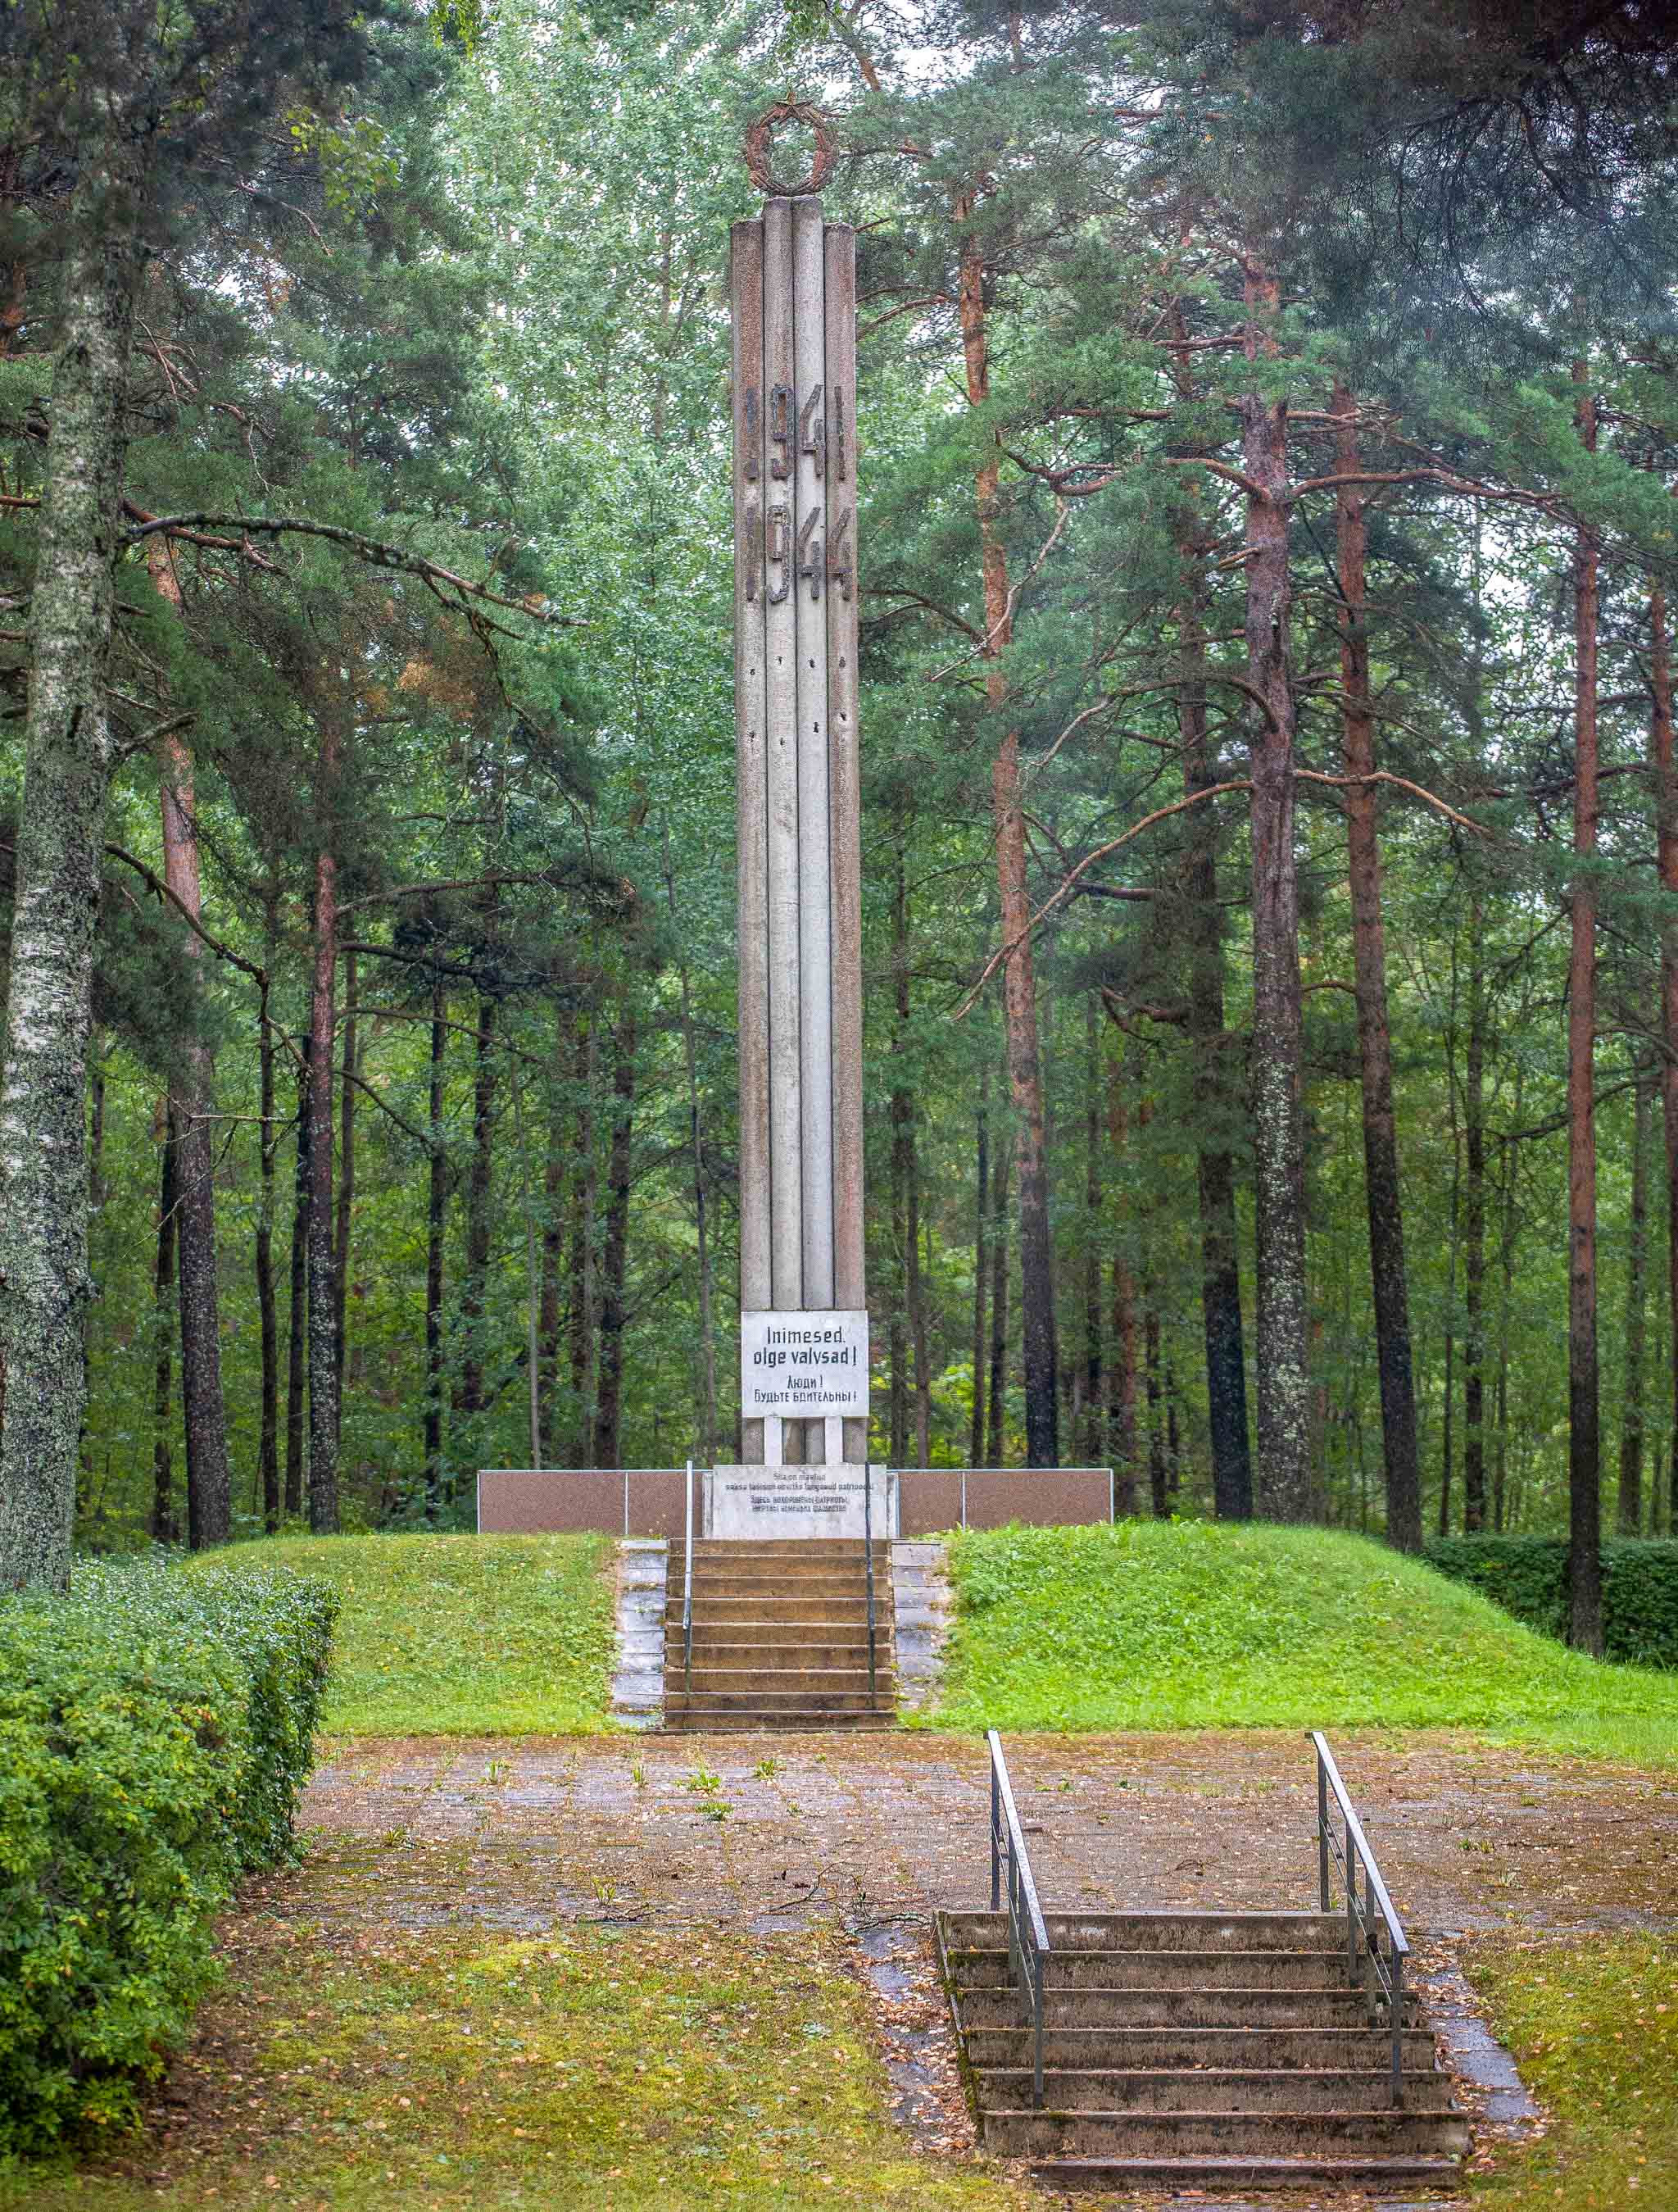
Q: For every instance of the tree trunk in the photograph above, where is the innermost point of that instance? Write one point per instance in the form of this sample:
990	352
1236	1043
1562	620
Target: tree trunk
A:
45	1284
191	1102
1093	1410
1629	1519
1037	1298
905	1206
297	1337
323	1289
1584	1560
615	1251
1156	1427
1214	1106
1505	1302
437	1200
1369	954
346	1182
268	1449
996	1450
584	1296
553	1231
1666	799
1122	1369
479	1189
163	1528
981	1224
1474	1242
1284	1485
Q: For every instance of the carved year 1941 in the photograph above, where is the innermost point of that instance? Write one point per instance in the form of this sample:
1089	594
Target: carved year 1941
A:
776	558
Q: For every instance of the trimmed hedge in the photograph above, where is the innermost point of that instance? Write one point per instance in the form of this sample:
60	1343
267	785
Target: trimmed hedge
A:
1527	1576
155	1730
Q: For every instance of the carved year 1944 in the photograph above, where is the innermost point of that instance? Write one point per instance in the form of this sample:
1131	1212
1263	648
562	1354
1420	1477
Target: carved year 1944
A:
776	558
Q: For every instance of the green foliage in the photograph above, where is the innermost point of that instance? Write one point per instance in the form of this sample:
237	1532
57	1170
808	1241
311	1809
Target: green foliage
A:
1527	1576
156	1728
447	1635
1190	1625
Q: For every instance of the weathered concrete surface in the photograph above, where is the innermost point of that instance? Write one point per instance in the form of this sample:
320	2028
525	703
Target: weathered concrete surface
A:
517	1832
638	1682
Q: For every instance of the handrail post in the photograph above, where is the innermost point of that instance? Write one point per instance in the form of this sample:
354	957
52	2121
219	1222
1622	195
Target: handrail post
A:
996	1842
1397	2026
1322	1833
1036	2010
687	1586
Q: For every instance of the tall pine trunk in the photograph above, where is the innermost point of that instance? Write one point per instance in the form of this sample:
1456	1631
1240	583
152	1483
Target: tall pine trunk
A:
298	1313
1629	1518
437	1200
346	1182
1214	1106
553	1233
1474	1239
1284	1483
45	1283
996	1450
1036	1296
268	1446
1666	800
479	1224
1369	956
1093	1411
323	1288
1122	1367
615	1252
584	1287
163	1528
1584	1559
981	1226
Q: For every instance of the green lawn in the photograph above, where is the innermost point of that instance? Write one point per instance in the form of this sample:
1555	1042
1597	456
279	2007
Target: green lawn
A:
1594	2028
1187	1625
680	2072
459	1635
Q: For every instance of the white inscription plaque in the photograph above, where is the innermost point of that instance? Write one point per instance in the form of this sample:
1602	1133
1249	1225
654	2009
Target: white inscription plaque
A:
795	1364
799	1501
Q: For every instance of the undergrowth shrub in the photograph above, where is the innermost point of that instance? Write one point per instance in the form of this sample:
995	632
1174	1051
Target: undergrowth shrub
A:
155	1730
1527	1576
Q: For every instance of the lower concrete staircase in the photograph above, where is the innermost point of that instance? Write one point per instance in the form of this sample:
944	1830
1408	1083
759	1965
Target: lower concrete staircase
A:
780	1637
1195	2050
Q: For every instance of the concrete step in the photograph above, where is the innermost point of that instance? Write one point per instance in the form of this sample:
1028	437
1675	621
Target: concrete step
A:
765	1608
1226	2174
790	1703
1249	2091
1147	2049
1159	1932
1097	2006
779	1580
1189	1971
791	1680
793	1550
1088	2132
702	1721
843	1653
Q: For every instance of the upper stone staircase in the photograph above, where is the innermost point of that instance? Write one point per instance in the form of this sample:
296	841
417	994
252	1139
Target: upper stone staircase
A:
780	1637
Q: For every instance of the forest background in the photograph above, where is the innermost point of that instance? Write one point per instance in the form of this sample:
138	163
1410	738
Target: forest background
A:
1266	425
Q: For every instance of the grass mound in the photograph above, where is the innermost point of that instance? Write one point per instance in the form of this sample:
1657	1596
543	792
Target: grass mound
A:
1594	2028
1189	1625
458	1635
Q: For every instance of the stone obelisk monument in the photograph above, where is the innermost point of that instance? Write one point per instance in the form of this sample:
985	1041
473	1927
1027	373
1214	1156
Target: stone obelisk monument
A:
804	1324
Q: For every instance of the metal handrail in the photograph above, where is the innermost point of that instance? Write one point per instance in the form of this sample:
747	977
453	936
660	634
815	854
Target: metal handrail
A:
1027	1931
687	1586
868	1555
1382	1979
